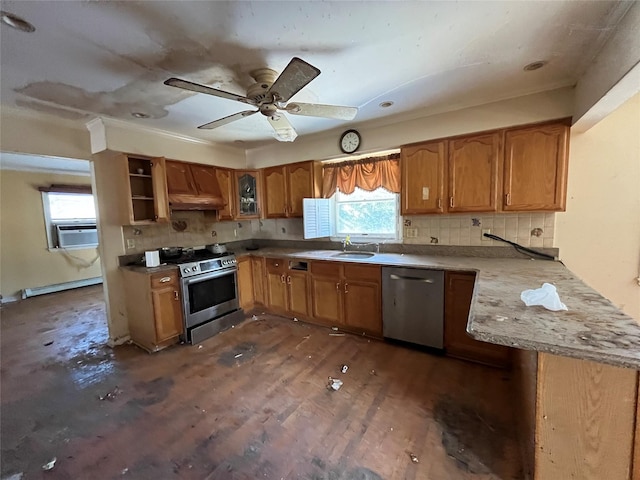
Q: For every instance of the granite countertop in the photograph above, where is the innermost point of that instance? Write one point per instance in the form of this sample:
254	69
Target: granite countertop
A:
592	329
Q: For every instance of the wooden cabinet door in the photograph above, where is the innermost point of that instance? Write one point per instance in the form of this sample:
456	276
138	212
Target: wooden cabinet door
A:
205	180
457	343
298	293
363	307
535	169
258	271
299	186
160	199
247	198
245	283
167	311
276	285
275	192
179	178
423	170
473	173
225	182
326	299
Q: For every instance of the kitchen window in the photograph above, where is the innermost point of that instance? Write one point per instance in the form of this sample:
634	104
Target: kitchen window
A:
70	217
367	214
361	200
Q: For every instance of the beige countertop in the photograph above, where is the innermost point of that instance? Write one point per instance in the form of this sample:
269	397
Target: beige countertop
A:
592	329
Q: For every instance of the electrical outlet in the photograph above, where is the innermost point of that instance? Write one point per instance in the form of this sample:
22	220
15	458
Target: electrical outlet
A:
488	231
411	232
235	232
131	243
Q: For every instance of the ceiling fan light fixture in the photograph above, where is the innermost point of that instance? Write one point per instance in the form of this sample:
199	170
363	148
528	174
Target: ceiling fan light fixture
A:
286	134
386	104
534	65
16	22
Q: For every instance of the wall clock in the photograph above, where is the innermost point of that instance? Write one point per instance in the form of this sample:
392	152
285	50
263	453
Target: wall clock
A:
350	141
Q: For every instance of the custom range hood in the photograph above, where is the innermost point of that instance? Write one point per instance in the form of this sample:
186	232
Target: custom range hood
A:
193	187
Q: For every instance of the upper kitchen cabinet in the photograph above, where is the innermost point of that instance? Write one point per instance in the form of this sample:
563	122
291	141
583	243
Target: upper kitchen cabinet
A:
286	186
146	190
473	173
535	168
451	175
423	177
225	182
247	188
193	186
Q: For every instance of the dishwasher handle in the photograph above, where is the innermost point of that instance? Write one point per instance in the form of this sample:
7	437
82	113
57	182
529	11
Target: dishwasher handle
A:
393	276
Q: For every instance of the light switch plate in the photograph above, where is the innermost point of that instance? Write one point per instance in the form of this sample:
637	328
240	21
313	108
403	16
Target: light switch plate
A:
131	243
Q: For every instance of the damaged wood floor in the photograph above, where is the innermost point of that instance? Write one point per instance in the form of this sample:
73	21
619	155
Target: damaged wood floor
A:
250	403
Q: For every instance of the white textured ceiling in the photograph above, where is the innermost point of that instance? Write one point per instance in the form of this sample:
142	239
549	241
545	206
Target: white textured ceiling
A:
109	58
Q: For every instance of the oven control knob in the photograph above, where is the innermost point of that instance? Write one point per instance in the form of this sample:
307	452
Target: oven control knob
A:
194	269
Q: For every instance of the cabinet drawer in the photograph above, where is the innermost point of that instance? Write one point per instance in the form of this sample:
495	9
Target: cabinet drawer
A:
362	272
274	263
159	280
328	269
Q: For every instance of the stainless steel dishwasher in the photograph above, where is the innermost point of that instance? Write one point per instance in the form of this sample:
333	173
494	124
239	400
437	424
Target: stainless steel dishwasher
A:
413	305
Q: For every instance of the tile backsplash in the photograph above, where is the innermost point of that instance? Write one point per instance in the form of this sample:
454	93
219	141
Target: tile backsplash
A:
188	229
527	229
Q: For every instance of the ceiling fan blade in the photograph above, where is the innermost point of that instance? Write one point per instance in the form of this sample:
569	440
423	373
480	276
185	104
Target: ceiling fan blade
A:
293	78
284	130
225	120
196	87
326	111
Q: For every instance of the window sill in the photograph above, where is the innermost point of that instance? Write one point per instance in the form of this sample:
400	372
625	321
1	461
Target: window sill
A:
83	247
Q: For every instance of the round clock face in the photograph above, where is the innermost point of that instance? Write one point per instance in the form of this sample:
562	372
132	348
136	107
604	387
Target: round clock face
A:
350	141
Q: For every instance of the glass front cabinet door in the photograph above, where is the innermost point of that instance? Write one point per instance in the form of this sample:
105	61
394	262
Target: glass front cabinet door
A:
248	197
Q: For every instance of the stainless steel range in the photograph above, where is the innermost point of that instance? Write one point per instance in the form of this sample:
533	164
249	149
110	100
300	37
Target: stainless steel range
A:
209	293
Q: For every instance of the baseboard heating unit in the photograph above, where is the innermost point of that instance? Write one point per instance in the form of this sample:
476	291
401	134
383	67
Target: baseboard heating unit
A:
59	287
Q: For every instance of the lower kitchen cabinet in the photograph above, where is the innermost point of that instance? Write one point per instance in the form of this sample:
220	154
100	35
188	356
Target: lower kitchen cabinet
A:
457	342
287	289
259	274
347	296
154	308
245	283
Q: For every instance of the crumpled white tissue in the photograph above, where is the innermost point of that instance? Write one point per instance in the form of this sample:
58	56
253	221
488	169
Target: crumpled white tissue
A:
547	296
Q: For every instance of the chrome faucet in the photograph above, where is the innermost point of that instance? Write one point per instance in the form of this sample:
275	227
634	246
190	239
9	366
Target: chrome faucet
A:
345	242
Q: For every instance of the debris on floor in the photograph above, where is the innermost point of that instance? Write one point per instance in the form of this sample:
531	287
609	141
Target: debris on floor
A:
111	394
48	343
336	334
199	347
295	319
254	317
238	355
335	329
344	368
334	384
414	459
15	476
124	471
373	372
49	465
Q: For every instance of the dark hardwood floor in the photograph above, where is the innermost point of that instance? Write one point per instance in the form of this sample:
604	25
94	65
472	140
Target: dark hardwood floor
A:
249	403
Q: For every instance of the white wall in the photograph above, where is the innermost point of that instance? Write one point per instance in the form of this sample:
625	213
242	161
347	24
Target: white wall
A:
599	234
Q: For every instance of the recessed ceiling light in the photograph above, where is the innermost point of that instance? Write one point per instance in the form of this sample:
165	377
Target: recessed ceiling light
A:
386	104
140	115
534	65
16	22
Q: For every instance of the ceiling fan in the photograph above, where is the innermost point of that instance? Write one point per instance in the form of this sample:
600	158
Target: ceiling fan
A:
270	95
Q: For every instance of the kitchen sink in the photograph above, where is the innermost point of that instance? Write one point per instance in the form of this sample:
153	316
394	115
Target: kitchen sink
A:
354	255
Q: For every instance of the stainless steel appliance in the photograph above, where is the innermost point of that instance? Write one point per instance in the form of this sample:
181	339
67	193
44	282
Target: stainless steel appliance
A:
209	293
413	305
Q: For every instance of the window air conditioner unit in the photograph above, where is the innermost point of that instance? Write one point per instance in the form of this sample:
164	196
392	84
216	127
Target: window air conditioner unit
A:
77	235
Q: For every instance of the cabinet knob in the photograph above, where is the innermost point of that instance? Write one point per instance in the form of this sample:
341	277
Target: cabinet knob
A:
338	286
439	203
282	278
345	287
165	279
288	279
508	198
451	202
175	295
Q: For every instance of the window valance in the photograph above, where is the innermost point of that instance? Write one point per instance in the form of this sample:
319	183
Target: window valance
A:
367	174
